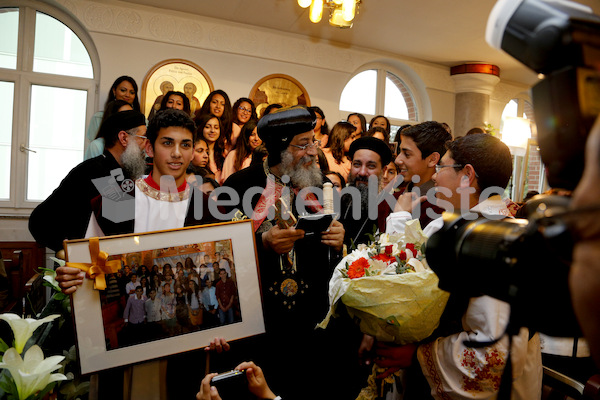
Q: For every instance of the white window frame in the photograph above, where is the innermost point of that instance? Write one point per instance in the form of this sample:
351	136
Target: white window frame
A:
24	78
411	81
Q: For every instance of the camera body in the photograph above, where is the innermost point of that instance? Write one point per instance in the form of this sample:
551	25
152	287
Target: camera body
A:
232	385
524	262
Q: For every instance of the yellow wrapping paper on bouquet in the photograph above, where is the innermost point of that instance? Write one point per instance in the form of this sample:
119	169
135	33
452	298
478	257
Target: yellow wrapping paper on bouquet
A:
399	308
402	308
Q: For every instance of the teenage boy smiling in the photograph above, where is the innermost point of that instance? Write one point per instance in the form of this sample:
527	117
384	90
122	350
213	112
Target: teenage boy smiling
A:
170	140
163	199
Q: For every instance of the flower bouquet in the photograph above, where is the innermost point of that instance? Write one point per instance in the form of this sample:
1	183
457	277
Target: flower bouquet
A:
388	287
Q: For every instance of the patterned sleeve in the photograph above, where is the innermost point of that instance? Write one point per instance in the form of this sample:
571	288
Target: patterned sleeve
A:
456	371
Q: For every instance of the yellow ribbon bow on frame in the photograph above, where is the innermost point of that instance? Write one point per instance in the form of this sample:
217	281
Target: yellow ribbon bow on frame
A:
99	266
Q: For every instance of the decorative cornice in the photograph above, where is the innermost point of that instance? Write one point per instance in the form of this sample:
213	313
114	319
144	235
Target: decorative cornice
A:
173	27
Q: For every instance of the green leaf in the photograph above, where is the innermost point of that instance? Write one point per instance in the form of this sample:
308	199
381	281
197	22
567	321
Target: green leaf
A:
3	346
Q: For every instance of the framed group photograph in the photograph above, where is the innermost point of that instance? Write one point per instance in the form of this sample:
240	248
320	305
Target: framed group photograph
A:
278	89
178	75
174	291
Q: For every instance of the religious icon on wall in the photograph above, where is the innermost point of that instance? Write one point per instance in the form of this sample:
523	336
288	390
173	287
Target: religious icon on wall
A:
278	89
180	76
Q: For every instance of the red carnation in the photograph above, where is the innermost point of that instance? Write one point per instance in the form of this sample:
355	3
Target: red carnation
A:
357	268
389	248
402	255
411	247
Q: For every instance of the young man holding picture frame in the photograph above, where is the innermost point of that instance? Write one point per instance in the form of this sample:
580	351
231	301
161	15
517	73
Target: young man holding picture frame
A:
163	200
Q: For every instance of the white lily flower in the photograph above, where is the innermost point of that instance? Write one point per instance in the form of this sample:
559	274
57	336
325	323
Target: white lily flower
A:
61	263
50	277
24	328
31	373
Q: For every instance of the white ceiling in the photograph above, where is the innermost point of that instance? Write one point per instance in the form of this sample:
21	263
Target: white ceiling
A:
446	32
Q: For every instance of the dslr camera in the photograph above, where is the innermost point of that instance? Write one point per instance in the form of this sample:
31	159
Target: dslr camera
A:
526	261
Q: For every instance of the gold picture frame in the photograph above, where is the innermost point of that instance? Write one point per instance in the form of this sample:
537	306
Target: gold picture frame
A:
280	89
179	75
100	327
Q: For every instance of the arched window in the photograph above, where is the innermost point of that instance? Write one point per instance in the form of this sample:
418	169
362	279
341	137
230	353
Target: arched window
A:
378	91
519	107
528	172
47	89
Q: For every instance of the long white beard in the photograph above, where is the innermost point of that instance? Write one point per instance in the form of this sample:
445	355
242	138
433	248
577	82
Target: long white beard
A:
133	161
301	176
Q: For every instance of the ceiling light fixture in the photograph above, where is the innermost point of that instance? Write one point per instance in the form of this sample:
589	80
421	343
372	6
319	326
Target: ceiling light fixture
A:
341	12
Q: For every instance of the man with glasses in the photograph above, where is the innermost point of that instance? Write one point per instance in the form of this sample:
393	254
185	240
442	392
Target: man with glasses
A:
295	267
473	168
66	212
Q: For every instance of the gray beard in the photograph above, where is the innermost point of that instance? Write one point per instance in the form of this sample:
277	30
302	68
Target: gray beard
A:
133	161
300	176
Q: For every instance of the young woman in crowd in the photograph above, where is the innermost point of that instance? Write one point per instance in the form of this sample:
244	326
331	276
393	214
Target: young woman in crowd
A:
145	285
243	111
217	103
181	307
341	137
390	172
200	153
142	271
96	148
322	160
381	121
165	86
209	127
338	181
156	284
194	303
359	121
176	100
167	309
379	133
241	156
321	128
123	88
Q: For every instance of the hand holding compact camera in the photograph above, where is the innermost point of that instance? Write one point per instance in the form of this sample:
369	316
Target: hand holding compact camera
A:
246	381
232	385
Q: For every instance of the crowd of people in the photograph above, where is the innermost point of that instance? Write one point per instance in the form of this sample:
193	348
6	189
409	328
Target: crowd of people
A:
164	301
286	152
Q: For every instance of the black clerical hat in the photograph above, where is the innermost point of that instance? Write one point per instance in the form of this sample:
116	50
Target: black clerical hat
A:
374	144
120	121
278	128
